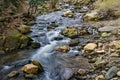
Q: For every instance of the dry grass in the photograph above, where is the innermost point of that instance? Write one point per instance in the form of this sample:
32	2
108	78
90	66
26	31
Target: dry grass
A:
110	8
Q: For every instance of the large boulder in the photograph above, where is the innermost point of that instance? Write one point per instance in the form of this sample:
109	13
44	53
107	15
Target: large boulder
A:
30	68
63	49
24	29
12	42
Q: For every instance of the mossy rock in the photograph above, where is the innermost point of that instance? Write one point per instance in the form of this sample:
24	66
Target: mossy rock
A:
24	29
12	32
35	45
70	32
62	48
31	23
24	41
2	19
12	42
52	26
2	40
92	16
35	62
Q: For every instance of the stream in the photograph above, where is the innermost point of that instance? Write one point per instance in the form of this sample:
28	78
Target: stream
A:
56	66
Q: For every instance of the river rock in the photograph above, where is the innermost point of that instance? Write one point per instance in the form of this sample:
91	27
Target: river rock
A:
2	19
2	52
92	16
12	42
107	28
118	73
13	74
63	48
90	46
104	34
68	14
116	44
114	55
100	63
82	71
35	45
100	77
30	68
53	25
24	41
68	73
74	42
111	72
24	29
58	38
35	62
99	51
30	76
70	32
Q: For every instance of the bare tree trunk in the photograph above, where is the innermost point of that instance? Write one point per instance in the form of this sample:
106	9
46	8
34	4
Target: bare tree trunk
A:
53	4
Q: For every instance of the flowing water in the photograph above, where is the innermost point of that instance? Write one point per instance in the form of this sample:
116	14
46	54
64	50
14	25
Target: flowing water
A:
56	66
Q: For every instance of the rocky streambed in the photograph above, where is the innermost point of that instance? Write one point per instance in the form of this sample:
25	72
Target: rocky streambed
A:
71	49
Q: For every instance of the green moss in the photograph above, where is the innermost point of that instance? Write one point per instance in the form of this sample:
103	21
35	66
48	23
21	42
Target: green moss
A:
11	43
24	29
2	19
35	45
25	41
35	62
70	32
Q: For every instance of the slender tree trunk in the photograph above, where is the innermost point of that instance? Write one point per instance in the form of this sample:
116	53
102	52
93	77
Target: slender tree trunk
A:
53	4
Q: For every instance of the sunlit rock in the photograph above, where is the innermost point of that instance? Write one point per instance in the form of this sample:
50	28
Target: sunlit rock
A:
90	46
63	48
30	68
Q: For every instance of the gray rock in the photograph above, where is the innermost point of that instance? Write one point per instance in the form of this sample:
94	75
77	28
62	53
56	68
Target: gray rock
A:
30	76
107	28
111	72
68	73
2	52
13	74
